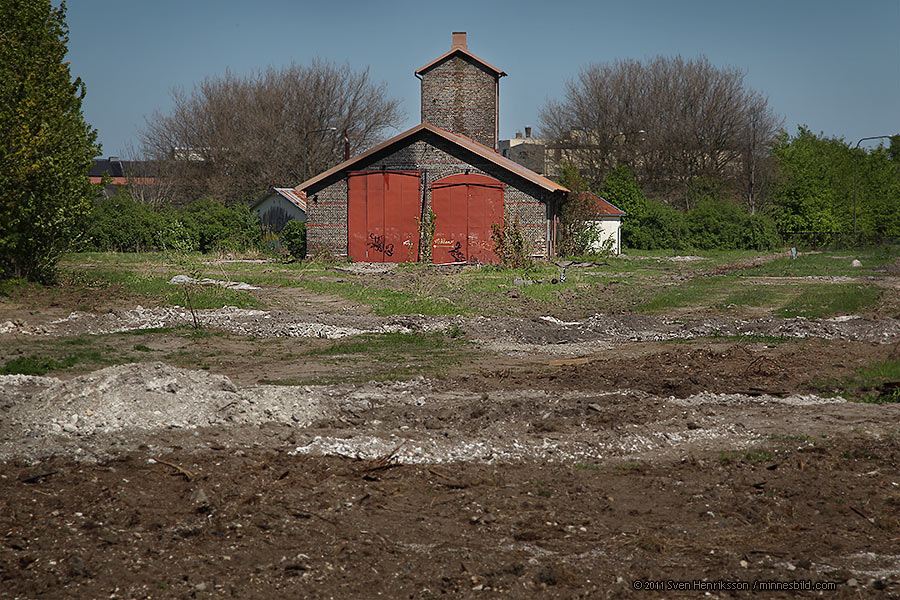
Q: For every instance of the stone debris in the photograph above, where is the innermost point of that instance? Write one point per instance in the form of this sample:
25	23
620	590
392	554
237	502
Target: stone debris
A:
114	407
149	396
362	268
598	329
9	326
230	285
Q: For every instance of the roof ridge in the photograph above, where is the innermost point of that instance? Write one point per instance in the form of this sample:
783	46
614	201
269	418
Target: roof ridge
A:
461	50
466	143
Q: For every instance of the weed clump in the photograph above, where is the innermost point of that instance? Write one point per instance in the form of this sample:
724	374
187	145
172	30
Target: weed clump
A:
511	245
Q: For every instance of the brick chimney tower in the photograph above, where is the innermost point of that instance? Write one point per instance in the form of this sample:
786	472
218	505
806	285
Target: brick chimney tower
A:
461	93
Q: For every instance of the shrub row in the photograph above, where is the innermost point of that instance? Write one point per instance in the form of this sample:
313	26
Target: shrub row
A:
123	225
711	225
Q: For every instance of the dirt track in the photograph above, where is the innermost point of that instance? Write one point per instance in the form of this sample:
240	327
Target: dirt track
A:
579	459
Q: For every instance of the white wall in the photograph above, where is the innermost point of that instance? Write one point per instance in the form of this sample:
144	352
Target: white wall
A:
608	227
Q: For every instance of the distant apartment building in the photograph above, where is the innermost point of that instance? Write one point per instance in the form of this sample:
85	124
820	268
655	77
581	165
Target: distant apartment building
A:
544	156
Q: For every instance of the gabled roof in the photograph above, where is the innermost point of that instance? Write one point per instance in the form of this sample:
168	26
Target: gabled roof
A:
119	169
601	207
459	140
295	197
465	52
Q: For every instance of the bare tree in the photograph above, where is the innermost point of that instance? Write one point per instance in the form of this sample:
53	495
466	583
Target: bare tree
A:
147	180
759	166
674	121
234	136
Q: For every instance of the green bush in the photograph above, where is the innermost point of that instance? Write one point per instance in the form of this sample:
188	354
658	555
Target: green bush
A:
124	225
293	237
760	233
659	227
219	227
714	225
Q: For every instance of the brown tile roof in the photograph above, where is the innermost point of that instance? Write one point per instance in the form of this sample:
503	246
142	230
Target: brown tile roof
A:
602	208
459	140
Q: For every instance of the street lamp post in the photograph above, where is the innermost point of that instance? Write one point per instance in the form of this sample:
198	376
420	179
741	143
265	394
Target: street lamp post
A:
856	170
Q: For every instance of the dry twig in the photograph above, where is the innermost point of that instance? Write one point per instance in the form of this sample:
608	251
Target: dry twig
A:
187	474
381	463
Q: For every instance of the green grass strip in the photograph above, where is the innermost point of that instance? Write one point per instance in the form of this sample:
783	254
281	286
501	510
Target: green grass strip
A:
385	302
825	300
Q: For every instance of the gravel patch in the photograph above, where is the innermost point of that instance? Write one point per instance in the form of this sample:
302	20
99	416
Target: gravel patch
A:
545	330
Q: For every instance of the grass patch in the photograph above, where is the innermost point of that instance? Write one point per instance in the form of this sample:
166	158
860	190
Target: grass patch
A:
10	287
881	372
878	375
588	467
112	259
756	338
876	383
158	289
750	456
381	357
41	365
823	264
760	296
696	293
385	302
384	344
810	300
779	437
823	300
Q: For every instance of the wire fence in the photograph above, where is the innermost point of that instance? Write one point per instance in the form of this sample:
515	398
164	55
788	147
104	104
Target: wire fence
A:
836	240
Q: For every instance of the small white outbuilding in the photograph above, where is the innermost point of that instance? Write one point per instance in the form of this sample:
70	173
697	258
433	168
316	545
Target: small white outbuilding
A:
607	221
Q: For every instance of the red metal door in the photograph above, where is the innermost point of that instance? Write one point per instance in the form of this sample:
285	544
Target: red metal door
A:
465	207
381	219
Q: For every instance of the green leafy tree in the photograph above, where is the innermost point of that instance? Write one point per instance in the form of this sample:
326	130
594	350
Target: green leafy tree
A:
623	191
815	186
575	233
815	183
46	147
878	193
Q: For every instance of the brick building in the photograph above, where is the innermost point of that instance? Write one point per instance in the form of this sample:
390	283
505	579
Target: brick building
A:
369	207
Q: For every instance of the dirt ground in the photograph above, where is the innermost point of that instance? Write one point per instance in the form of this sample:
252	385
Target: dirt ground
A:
615	455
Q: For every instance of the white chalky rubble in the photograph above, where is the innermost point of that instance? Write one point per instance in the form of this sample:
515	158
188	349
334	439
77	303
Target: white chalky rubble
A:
438	450
258	323
547	331
230	285
44	416
738	399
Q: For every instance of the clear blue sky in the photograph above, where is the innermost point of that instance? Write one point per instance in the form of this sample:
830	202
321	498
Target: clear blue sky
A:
832	65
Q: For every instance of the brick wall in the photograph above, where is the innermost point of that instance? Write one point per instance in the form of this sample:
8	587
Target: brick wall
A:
326	218
435	158
460	95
